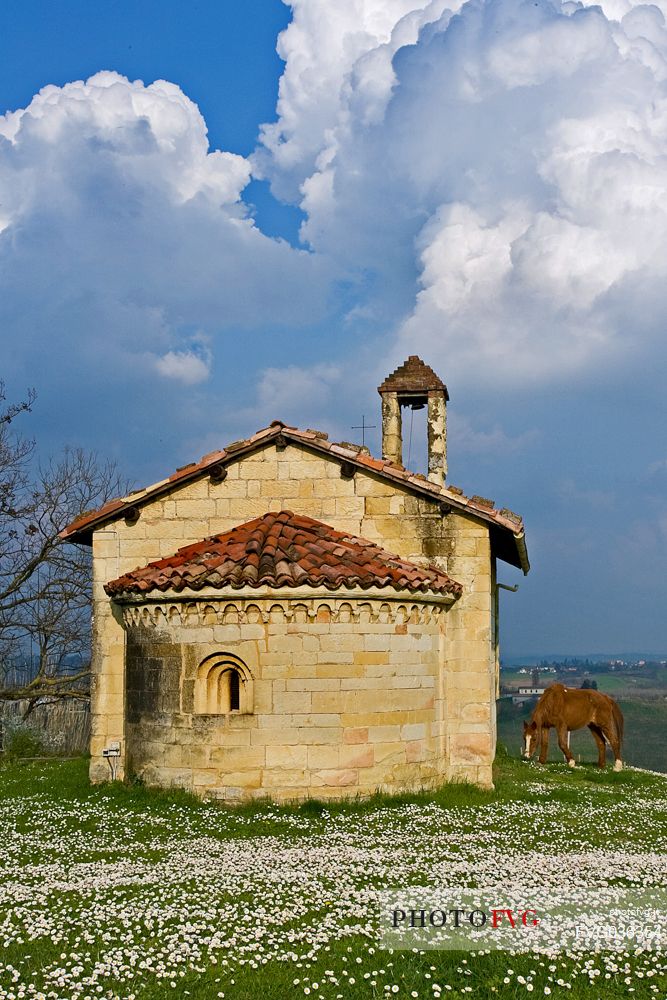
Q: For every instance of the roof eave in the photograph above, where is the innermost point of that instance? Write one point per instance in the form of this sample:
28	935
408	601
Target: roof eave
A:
309	593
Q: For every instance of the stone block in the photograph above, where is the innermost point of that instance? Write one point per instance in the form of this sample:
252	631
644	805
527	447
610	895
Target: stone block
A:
323	757
370	719
241	779
329	657
356	756
232	489
327	701
204	777
374	505
357	734
285	778
368	486
336	488
98	772
339	671
313	684
237	758
314	735
415	750
378	643
375	658
173	777
247	508
194	756
389	753
295	701
252	468
470	748
407	682
384	734
290	757
414	732
342	638
363	683
349	507
476	712
303	469
288	643
276	737
335	778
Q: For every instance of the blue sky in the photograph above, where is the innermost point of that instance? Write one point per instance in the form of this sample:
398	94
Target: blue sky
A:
267	235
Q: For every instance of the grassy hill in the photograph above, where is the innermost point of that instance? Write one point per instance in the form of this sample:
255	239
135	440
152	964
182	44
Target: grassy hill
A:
120	892
645	728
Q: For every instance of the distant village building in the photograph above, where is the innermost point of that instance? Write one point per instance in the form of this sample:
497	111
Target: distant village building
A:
524	694
292	617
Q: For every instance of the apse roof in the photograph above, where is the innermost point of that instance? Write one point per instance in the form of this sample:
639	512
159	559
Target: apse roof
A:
283	549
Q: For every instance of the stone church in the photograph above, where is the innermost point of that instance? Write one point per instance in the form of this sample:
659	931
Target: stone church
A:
290	617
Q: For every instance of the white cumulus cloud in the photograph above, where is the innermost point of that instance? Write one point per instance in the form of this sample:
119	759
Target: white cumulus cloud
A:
184	366
121	231
493	171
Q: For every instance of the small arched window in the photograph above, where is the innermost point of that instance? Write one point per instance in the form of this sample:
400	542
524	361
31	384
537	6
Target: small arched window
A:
234	690
223	686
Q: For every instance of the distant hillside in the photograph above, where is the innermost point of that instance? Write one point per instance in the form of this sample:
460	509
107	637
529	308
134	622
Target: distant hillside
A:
536	658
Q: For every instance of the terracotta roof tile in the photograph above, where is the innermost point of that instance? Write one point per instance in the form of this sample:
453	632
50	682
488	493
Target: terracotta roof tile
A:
483	502
282	549
414	375
236	445
213	456
344	451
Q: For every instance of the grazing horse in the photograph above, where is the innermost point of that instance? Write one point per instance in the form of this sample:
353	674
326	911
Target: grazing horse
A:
566	709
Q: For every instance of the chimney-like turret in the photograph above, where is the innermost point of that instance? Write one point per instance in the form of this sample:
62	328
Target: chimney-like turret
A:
416	385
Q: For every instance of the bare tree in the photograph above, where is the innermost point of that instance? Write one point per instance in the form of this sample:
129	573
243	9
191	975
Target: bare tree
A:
45	583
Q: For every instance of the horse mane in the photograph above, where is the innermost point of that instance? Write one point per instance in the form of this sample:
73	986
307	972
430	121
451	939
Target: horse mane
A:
550	700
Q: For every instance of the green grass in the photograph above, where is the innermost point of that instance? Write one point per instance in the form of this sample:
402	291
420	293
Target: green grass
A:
90	873
67	781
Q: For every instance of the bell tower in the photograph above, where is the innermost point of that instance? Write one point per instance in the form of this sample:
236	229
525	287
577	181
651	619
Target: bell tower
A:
415	385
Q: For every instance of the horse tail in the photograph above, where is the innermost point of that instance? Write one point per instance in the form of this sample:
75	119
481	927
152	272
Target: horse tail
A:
618	720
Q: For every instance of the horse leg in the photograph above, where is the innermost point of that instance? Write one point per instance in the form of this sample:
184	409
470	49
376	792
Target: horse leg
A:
563	744
544	745
599	739
611	734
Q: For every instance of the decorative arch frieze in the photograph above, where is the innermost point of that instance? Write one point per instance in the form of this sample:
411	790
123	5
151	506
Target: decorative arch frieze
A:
195	614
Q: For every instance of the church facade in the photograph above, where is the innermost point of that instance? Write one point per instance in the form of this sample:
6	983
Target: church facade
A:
291	617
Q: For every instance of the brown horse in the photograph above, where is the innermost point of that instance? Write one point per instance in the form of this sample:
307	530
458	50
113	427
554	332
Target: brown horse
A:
566	709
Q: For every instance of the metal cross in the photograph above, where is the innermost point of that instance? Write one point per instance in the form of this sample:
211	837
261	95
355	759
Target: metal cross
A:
363	427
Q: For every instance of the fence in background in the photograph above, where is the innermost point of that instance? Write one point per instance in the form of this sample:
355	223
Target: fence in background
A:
62	726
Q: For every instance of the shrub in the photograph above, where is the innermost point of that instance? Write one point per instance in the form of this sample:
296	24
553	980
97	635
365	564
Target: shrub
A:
27	739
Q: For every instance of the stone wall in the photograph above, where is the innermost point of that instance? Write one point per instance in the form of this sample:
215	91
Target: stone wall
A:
307	483
346	698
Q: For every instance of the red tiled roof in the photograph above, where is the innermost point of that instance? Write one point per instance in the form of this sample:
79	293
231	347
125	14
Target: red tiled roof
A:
283	550
414	375
506	523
